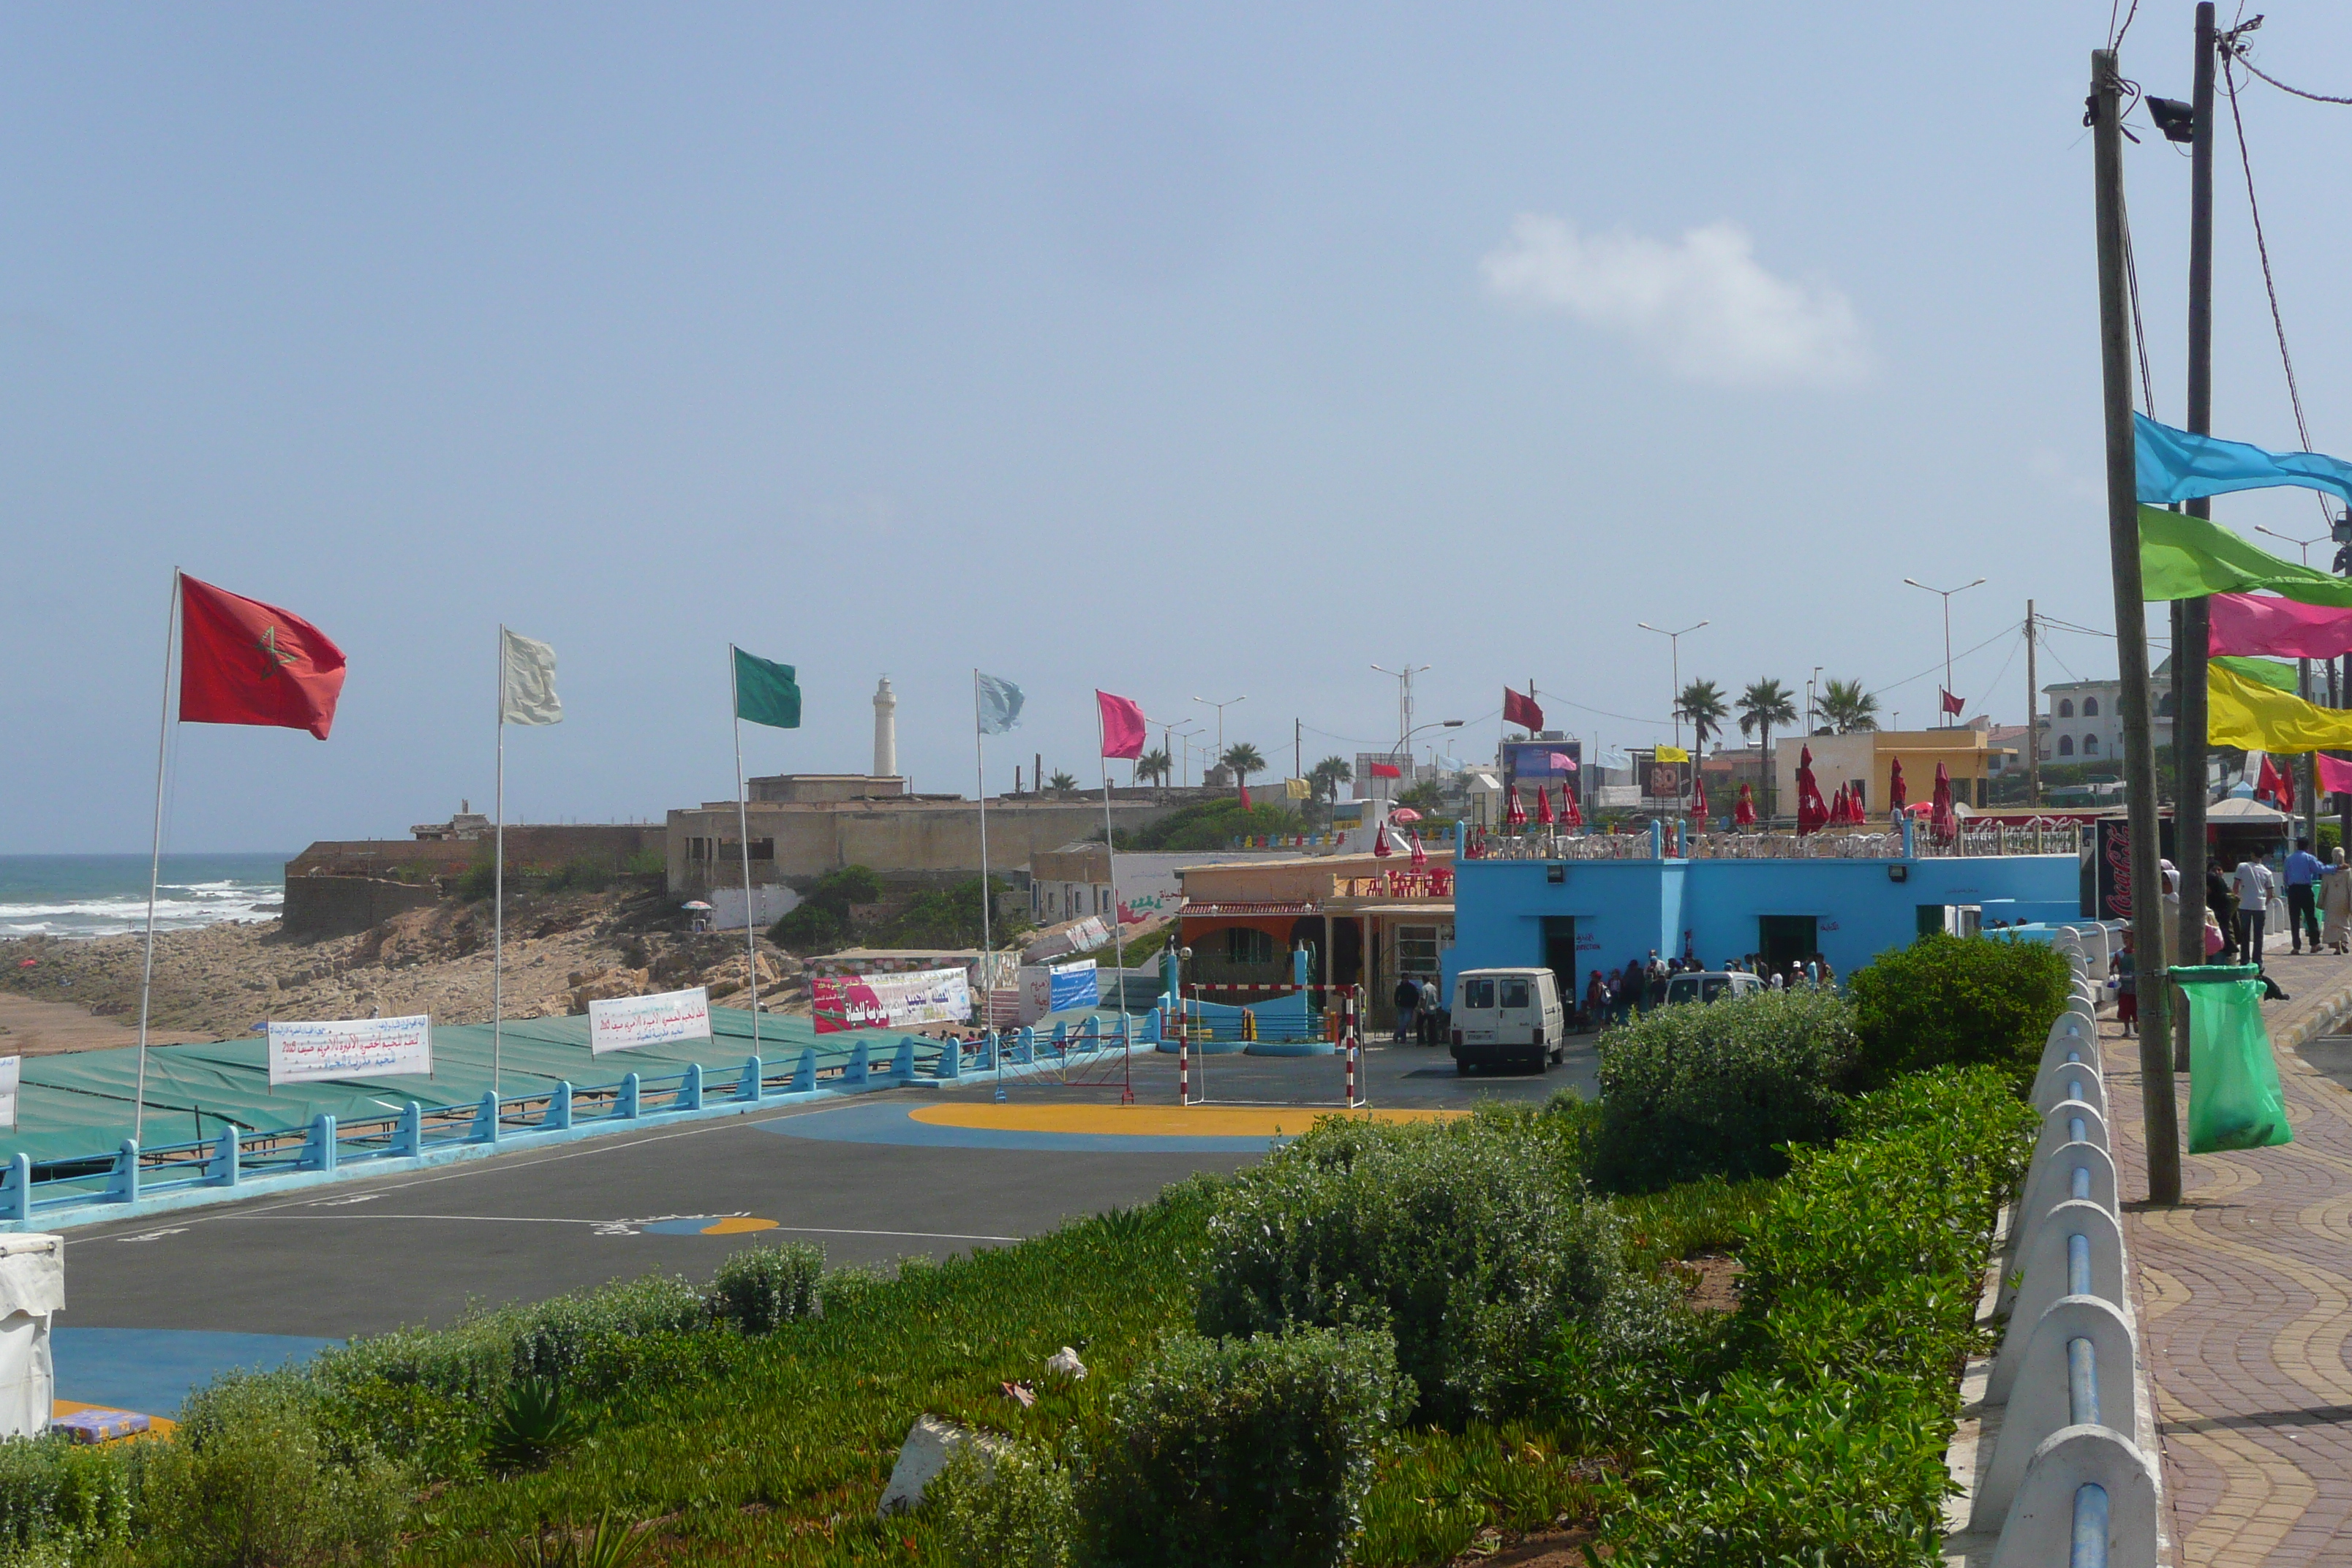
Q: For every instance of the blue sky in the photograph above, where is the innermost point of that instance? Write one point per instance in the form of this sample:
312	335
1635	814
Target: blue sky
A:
1179	351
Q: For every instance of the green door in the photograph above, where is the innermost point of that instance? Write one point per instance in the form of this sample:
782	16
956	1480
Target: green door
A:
1784	940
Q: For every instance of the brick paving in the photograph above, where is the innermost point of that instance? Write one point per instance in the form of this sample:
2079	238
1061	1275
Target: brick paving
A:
2245	1300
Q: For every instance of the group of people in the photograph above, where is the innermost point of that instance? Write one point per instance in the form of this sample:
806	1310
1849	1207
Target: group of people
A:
1418	1017
1612	998
2238	904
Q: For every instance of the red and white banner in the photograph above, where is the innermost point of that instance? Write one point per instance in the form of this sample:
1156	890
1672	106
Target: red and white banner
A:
890	1000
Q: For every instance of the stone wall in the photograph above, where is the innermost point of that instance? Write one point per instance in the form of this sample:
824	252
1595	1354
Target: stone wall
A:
530	847
319	908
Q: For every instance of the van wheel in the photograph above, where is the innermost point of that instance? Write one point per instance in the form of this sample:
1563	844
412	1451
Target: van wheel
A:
1461	1069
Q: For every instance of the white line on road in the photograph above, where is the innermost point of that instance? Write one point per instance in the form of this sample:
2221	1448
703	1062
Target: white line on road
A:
545	1219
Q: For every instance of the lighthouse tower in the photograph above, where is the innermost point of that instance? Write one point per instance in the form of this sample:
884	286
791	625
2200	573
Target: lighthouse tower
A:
885	731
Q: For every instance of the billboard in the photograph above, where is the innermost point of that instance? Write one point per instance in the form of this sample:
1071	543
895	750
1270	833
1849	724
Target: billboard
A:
349	1047
1545	763
892	1001
1661	781
626	1023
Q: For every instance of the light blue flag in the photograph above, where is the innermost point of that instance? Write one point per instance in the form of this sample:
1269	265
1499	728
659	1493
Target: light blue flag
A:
2175	465
997	702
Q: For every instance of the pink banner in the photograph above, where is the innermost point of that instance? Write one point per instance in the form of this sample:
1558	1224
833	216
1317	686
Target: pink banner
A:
2247	623
2335	776
1122	726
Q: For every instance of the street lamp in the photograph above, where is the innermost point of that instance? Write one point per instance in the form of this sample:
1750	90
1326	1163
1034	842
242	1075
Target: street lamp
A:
1184	739
1943	710
2302	544
1675	640
1221	708
1404	698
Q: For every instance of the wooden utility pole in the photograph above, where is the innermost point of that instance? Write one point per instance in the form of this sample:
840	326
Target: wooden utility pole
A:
2193	625
2161	1115
1297	751
2032	718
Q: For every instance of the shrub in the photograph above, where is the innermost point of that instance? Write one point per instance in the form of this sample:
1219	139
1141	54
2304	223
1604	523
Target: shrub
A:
581	874
1013	1510
1257	1451
534	1424
1470	1241
569	1339
1691	1091
54	1492
1948	1001
478	881
761	1288
810	928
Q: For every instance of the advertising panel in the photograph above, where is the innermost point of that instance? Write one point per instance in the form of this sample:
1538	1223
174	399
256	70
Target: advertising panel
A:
1661	781
349	1047
11	1071
626	1023
1075	985
891	1001
1547	762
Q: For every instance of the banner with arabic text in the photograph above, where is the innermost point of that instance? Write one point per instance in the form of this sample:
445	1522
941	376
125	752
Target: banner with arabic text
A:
626	1023
349	1047
891	1001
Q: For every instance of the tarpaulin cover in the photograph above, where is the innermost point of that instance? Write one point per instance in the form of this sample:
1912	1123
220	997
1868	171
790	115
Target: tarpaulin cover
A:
2184	557
2234	1099
2174	465
2254	624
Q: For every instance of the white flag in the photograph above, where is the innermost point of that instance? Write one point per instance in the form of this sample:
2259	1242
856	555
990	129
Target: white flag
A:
997	702
527	681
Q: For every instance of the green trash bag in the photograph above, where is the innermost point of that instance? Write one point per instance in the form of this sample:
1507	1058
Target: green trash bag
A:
2234	1099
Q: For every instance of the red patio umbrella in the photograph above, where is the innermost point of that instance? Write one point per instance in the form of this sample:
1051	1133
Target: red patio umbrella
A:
1543	805
1895	793
1813	812
1837	807
1743	814
1570	814
1420	856
1699	795
1380	842
1941	823
1513	812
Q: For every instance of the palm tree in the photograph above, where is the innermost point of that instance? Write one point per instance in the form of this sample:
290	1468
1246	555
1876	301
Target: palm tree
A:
1702	703
1243	760
1848	707
1061	782
1154	766
1329	775
1762	705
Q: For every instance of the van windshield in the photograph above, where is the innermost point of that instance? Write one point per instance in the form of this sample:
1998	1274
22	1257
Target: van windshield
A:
1477	994
1712	988
1514	993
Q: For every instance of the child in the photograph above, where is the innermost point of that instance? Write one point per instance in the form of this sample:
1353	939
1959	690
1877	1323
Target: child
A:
2127	989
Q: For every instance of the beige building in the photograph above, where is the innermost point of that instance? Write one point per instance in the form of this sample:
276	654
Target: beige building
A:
1867	757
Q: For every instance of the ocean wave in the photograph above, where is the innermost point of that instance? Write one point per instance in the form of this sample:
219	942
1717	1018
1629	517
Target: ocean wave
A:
116	915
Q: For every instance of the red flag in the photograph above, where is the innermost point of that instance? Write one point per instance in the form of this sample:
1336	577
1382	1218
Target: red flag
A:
244	662
1122	726
1953	705
2276	786
1386	771
1521	710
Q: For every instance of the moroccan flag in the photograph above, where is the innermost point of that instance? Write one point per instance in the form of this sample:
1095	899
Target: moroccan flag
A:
767	693
1122	726
2276	787
1953	705
1386	771
244	662
1521	709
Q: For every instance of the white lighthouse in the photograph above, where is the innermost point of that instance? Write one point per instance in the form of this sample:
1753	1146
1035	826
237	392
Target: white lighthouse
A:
885	731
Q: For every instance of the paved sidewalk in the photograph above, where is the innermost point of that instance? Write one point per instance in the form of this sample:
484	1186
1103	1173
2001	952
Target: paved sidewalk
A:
2245	1299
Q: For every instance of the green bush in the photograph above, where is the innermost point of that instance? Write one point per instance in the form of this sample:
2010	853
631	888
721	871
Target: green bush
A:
1470	1241
569	1339
761	1288
1256	1451
1015	1510
583	874
810	928
1690	1091
1947	1001
55	1492
478	881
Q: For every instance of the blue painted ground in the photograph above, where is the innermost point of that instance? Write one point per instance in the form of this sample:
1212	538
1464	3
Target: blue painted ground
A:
895	1125
151	1371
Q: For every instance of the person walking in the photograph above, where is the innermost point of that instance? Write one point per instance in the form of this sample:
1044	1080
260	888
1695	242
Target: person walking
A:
2127	987
2336	902
2222	905
1408	1003
2302	895
1428	1010
2252	882
1596	1002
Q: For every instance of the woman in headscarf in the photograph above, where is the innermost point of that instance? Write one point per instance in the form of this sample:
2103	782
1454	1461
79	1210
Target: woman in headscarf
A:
2335	899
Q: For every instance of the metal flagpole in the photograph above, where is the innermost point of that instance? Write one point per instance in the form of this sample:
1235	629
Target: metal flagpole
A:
987	939
1117	928
155	864
743	832
498	885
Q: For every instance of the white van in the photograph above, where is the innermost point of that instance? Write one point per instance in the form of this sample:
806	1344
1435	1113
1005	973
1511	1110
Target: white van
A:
1507	1015
1708	985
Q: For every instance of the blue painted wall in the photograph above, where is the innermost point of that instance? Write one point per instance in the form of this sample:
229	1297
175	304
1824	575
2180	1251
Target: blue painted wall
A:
1625	908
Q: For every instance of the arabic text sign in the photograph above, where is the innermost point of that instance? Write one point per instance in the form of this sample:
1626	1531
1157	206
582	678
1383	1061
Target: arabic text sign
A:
351	1047
626	1023
10	1070
891	1001
1075	985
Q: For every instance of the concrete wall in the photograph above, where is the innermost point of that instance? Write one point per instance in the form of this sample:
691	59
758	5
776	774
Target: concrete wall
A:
1624	907
911	836
319	908
535	846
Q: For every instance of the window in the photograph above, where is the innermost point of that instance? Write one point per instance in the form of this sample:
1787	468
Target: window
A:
2090	745
1514	993
2065	745
1477	994
1245	945
2090	707
763	849
2065	707
1416	950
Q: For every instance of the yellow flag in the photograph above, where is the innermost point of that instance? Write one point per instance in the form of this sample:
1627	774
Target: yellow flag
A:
2256	717
1673	754
1297	789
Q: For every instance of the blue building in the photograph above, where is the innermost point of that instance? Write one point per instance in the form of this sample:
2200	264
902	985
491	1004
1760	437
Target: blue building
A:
1576	913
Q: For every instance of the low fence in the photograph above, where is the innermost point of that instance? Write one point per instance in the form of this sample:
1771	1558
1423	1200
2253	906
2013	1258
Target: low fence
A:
33	1196
1914	842
2065	1472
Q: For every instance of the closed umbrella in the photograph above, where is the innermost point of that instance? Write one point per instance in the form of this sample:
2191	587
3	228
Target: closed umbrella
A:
1513	812
1570	814
1699	795
1813	812
1543	806
1743	814
1420	856
1896	792
1380	842
1941	823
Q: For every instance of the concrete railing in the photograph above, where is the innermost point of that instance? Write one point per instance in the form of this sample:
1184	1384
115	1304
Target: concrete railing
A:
2070	1478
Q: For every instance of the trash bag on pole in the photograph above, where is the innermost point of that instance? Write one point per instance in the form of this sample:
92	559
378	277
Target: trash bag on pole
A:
2234	1098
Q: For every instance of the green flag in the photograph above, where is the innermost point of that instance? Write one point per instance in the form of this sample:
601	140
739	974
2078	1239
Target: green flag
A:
2184	557
766	693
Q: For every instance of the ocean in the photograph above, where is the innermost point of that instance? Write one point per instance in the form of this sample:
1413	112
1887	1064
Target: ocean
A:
105	894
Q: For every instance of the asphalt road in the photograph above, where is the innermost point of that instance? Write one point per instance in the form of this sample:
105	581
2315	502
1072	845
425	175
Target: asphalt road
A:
370	1255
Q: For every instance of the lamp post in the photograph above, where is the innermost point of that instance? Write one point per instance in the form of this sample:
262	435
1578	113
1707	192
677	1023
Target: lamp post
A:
1184	739
1943	709
1221	708
1675	640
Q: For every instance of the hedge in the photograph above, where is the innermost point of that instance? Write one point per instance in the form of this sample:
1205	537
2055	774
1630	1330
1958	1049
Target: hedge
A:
1947	1001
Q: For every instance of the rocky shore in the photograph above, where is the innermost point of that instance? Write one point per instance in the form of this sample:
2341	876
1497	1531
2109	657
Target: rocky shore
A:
562	950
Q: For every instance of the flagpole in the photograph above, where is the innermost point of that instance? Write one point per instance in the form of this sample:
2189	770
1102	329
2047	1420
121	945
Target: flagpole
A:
155	864
743	833
1117	927
498	887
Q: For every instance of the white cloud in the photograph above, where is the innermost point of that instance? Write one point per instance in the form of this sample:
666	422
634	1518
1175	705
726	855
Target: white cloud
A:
1700	305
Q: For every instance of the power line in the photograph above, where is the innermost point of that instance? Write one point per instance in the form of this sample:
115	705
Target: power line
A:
2011	629
2230	45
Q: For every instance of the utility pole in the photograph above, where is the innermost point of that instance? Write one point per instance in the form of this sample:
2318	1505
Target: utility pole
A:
2193	626
2033	717
2161	1115
1298	750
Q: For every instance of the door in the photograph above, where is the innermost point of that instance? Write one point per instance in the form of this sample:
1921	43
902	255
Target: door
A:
1559	951
1784	940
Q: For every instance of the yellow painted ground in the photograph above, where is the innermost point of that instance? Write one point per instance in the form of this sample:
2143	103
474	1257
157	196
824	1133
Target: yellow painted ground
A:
161	1427
738	1225
1155	1120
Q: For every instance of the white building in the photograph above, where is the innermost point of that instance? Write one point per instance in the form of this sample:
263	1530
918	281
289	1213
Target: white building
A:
2083	719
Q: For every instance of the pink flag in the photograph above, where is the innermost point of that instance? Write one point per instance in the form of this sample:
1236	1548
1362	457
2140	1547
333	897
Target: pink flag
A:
2335	776
2245	624
1122	726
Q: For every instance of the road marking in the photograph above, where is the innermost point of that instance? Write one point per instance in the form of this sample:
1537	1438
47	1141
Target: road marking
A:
155	1234
603	1226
